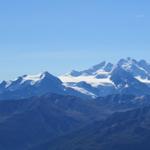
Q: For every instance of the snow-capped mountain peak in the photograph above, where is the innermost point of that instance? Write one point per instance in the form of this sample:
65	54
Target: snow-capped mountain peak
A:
107	78
136	68
36	77
100	68
30	79
34	85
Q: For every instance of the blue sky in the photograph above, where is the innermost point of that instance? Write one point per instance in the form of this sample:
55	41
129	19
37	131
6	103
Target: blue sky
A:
60	35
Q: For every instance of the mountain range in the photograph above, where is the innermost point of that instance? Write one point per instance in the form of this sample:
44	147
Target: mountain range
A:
127	76
121	131
105	107
50	121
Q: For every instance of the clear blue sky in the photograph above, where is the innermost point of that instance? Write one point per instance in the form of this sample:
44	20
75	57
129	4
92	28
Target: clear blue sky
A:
60	35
